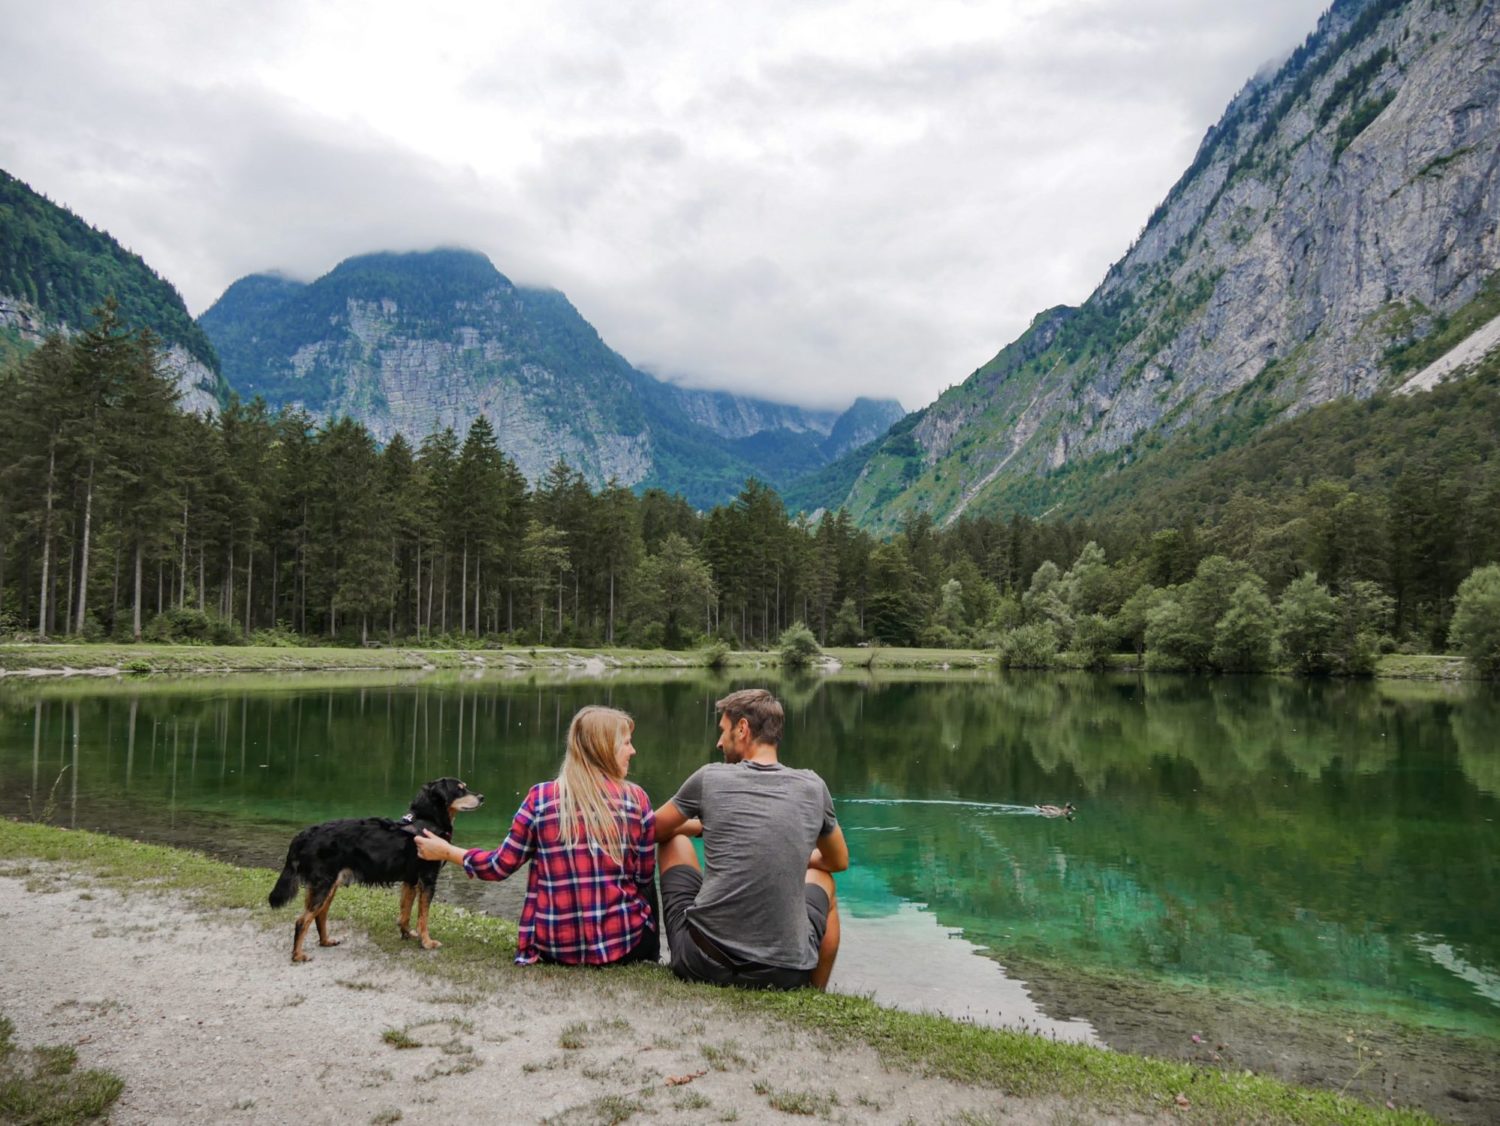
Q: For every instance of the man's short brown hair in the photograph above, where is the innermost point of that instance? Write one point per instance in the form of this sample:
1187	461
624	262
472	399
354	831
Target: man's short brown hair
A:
757	707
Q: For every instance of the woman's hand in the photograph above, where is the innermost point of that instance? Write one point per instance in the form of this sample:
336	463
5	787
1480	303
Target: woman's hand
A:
432	847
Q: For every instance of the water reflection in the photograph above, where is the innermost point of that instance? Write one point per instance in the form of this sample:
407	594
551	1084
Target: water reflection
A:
1328	842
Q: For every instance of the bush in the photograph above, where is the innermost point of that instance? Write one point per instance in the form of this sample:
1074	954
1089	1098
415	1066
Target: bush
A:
1094	639
940	637
1307	621
1244	635
187	626
845	629
799	648
1475	631
1031	646
716	654
281	636
1170	639
1364	614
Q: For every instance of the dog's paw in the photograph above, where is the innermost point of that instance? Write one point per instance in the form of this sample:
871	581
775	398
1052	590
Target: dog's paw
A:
405	934
430	944
329	941
300	958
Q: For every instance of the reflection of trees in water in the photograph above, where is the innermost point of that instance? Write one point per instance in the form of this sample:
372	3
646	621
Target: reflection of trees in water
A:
1476	734
1299	904
1236	829
1247	830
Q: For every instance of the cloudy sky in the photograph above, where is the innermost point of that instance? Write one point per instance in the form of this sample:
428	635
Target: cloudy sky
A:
806	200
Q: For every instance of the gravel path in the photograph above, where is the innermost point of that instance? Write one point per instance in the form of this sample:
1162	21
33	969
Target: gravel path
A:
204	1017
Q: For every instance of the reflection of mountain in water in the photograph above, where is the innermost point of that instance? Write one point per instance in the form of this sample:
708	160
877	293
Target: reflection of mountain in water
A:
1276	837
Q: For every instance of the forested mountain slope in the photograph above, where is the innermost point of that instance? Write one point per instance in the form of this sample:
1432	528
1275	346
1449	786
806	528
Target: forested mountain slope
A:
1342	212
410	343
55	269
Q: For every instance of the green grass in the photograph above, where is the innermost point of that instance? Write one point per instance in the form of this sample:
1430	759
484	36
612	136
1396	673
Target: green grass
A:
889	657
477	952
1422	666
330	665
153	658
43	1085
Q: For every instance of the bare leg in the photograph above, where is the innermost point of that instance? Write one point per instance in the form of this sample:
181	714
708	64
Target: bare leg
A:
408	894
675	851
828	949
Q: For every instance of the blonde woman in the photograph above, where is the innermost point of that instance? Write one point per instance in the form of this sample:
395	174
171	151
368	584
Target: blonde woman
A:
590	836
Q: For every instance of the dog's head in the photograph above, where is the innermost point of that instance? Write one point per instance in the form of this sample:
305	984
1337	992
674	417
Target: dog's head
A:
439	800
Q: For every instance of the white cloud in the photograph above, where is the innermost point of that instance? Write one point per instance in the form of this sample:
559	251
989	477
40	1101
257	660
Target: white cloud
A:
800	200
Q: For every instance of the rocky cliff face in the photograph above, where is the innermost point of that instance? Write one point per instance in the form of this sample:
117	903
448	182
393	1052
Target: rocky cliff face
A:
1336	211
55	269
25	326
414	342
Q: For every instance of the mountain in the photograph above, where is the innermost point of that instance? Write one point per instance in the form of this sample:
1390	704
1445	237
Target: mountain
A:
414	342
1337	224
55	268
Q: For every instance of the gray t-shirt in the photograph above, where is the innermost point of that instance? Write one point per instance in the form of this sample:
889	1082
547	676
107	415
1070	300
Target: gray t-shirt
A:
760	825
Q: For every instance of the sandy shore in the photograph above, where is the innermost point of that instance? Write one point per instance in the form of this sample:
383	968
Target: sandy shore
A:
204	1017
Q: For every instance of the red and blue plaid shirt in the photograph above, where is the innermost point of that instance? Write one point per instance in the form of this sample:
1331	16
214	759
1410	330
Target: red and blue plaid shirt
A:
581	907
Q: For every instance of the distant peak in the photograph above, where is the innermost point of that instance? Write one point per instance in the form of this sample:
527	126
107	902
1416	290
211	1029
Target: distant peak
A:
441	255
447	267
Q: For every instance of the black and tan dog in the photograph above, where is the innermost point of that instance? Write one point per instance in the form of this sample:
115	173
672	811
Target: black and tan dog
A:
371	850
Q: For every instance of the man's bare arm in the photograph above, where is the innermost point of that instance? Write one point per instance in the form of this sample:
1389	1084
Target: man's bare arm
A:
832	854
670	823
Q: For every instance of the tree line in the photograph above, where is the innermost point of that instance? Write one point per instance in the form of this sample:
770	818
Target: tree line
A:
121	516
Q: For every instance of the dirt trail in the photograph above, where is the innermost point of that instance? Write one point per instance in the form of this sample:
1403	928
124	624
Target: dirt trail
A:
206	1020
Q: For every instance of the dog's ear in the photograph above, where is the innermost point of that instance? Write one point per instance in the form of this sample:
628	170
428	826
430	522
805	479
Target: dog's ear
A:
429	804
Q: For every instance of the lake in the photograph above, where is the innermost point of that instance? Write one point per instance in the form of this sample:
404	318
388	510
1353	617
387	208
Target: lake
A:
1290	876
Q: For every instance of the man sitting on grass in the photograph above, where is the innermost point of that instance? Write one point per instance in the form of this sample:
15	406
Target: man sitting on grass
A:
762	912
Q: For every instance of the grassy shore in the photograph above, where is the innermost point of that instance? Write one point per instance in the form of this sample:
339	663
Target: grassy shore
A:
110	659
476	958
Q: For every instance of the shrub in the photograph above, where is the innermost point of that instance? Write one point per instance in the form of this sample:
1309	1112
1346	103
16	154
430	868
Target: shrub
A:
188	626
799	648
1307	620
1094	639
280	636
1243	636
716	654
1475	631
939	637
1032	646
1170	639
845	629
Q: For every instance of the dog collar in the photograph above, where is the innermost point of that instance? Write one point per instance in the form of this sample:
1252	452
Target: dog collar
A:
409	824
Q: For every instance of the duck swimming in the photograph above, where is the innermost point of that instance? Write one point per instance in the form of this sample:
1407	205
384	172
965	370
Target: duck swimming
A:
1064	810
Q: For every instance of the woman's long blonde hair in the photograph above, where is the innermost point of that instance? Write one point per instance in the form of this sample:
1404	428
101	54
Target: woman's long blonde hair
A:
582	796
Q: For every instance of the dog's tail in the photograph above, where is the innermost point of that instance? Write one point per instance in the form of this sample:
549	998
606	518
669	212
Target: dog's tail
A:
286	885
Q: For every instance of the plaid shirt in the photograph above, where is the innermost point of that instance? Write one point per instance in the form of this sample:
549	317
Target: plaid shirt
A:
581	907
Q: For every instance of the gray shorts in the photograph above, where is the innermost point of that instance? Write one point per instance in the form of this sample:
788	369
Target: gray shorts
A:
693	961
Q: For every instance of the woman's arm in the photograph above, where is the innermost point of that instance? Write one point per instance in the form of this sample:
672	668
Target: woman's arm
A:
496	864
433	847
